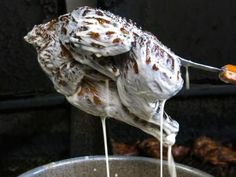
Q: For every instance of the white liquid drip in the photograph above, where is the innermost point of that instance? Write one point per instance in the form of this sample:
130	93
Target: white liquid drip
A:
187	81
171	163
103	119
162	104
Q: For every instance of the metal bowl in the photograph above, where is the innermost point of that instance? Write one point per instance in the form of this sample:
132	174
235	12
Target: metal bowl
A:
120	166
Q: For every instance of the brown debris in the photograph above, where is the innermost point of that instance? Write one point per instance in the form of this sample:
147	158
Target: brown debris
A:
102	21
124	31
135	67
124	149
64	30
65	52
116	40
97	100
210	151
94	35
82	91
51	24
148	60
155	68
108	33
149	147
91	90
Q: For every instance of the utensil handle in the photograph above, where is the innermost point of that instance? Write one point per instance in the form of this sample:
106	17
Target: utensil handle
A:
228	74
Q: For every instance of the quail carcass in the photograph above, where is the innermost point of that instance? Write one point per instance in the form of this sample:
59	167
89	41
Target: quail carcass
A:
83	50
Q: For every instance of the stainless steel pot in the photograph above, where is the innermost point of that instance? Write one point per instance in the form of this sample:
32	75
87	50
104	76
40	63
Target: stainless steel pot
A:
120	166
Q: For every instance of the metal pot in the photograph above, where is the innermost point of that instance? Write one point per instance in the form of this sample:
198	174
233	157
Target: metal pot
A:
120	166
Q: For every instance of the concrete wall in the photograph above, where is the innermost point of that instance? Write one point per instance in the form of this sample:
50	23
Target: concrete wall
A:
19	71
30	136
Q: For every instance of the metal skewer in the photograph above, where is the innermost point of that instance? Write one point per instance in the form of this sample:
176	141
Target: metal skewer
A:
226	73
189	63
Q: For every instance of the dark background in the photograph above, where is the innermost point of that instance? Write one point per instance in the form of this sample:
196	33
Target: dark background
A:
38	126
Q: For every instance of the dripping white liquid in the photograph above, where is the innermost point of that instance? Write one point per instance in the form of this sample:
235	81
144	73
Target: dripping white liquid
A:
171	163
103	119
162	104
187	81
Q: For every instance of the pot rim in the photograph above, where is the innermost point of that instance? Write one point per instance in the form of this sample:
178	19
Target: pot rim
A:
81	159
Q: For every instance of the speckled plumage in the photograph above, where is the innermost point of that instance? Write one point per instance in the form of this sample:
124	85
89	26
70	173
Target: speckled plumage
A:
82	50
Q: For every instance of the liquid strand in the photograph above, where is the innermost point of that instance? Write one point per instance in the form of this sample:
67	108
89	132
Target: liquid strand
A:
162	104
103	119
187	82
171	163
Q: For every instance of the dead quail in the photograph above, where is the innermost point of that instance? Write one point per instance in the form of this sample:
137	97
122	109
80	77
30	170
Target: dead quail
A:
83	50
